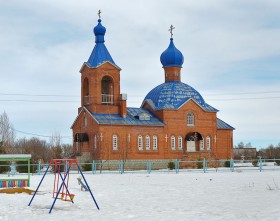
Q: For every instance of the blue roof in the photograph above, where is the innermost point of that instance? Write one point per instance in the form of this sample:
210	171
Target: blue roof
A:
100	53
172	95
172	56
223	125
131	118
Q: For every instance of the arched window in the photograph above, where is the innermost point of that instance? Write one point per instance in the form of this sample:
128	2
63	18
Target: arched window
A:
147	142
107	89
85	121
201	144
208	143
190	119
155	143
95	141
86	91
173	143
180	143
115	142
140	142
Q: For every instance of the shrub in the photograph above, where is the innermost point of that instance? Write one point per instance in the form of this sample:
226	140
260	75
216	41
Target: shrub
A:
255	162
3	167
277	162
227	163
87	166
199	165
171	165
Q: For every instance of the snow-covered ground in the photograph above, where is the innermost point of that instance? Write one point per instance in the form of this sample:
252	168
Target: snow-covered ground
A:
246	195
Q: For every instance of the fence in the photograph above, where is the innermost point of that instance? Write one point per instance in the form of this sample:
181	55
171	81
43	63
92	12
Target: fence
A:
155	166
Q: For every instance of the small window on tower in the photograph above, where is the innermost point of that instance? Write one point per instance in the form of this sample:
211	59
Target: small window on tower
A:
190	119
85	121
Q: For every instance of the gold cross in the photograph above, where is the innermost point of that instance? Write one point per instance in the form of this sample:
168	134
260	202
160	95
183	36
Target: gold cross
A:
171	30
99	12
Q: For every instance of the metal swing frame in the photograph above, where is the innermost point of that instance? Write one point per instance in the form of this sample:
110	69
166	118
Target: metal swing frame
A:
68	163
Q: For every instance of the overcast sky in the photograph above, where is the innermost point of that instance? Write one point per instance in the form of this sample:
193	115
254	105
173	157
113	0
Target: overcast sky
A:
231	50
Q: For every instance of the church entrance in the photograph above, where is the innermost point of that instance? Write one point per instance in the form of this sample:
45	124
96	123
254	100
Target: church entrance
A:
192	141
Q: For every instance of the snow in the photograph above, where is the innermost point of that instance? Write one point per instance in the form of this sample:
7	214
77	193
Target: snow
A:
244	195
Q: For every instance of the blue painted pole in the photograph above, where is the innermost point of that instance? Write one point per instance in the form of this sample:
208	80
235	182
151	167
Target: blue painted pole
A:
149	166
177	166
63	182
204	165
93	169
88	187
121	167
260	164
39	185
231	165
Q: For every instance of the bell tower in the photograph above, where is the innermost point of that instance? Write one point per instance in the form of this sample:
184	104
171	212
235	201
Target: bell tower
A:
100	78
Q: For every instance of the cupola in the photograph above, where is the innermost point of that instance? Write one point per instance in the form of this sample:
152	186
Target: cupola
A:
172	60
99	32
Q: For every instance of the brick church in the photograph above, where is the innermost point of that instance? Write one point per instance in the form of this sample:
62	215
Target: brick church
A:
173	122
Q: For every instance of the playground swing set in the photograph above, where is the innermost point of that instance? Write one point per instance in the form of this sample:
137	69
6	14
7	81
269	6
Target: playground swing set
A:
60	189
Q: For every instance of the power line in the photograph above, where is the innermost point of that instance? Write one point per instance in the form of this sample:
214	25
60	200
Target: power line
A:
133	95
38	135
39	95
40	101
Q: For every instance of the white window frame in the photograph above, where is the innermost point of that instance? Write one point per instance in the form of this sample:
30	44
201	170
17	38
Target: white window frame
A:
155	147
208	143
148	146
173	143
190	119
85	121
95	142
140	142
115	142
180	143
201	144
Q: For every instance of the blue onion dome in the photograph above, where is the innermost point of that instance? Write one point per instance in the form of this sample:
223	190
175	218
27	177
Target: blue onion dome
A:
172	56
99	32
172	95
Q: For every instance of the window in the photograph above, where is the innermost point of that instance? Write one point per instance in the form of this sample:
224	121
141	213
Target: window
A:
85	121
107	89
190	119
95	142
173	147
140	142
180	146
86	91
208	143
154	142
115	142
201	144
147	142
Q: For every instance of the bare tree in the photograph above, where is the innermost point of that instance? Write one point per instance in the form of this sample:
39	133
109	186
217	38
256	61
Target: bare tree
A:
7	135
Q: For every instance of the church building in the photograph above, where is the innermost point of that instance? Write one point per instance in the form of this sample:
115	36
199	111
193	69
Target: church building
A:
173	122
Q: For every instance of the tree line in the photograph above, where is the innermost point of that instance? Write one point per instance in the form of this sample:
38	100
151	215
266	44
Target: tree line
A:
270	152
38	148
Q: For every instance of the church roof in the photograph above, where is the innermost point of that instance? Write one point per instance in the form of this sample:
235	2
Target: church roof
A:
132	118
172	95
223	125
100	53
